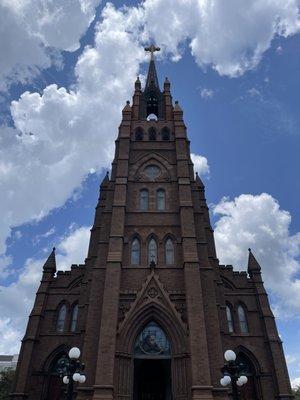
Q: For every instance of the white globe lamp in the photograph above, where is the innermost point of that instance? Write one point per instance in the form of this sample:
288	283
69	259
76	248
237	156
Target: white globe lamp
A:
74	353
82	379
65	380
230	355
76	377
243	379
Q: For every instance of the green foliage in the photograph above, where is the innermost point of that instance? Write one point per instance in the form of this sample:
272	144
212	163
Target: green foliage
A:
296	393
6	383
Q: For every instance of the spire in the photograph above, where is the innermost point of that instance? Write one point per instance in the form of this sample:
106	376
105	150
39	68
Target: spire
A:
199	181
50	264
105	180
253	265
152	80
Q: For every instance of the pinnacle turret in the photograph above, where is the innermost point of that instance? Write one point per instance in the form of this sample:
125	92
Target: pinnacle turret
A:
50	264
253	265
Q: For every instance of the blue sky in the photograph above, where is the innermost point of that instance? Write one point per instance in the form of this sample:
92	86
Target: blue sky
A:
235	71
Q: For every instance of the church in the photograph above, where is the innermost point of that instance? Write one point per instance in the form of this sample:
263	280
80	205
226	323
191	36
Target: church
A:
151	308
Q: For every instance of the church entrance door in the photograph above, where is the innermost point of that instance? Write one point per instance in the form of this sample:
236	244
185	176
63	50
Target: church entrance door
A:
152	365
152	379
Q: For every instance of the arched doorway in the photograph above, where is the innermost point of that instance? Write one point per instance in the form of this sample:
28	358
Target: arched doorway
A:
250	391
152	365
54	388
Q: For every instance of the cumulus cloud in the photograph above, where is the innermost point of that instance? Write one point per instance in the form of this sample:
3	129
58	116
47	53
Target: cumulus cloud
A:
63	134
259	222
200	164
33	32
13	312
231	36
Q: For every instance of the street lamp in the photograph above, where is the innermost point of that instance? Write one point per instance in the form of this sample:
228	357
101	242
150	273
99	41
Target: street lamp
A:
233	373
70	369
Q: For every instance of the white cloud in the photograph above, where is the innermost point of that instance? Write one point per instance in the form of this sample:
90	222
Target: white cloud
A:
33	32
259	223
13	312
231	36
295	383
200	164
206	93
64	134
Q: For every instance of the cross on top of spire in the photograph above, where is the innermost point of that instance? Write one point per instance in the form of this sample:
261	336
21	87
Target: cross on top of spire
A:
152	49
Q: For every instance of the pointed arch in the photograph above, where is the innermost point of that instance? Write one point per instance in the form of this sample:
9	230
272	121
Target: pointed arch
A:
229	317
152	249
242	317
135	251
136	172
159	314
53	387
252	390
61	317
169	251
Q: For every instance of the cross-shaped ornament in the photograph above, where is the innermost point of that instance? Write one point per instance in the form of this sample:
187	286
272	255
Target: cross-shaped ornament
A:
152	50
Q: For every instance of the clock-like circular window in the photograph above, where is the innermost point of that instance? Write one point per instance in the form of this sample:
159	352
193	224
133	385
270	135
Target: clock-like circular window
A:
152	172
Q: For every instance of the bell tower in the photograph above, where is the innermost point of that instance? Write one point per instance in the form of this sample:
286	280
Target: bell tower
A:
155	310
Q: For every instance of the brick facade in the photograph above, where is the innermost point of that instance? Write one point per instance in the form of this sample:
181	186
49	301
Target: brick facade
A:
117	299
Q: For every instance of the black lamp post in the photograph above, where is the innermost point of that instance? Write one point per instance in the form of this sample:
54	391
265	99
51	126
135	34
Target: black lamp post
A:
70	369
233	373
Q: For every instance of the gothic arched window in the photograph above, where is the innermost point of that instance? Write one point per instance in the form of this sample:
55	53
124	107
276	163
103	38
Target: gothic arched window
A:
165	134
242	319
74	318
135	252
161	200
144	200
61	318
152	133
229	319
169	251
152	251
139	134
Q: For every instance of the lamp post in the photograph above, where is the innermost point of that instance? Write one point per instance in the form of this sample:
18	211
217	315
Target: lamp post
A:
233	373
70	369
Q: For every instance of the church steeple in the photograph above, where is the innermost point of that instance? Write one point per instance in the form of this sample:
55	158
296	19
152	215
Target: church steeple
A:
152	99
152	80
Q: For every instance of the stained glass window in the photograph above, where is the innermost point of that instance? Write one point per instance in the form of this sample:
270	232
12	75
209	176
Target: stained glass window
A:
169	252
60	325
229	319
152	251
161	200
144	200
152	341
135	252
242	319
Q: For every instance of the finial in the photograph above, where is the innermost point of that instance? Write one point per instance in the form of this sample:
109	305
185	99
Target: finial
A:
53	249
128	102
152	49
249	250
